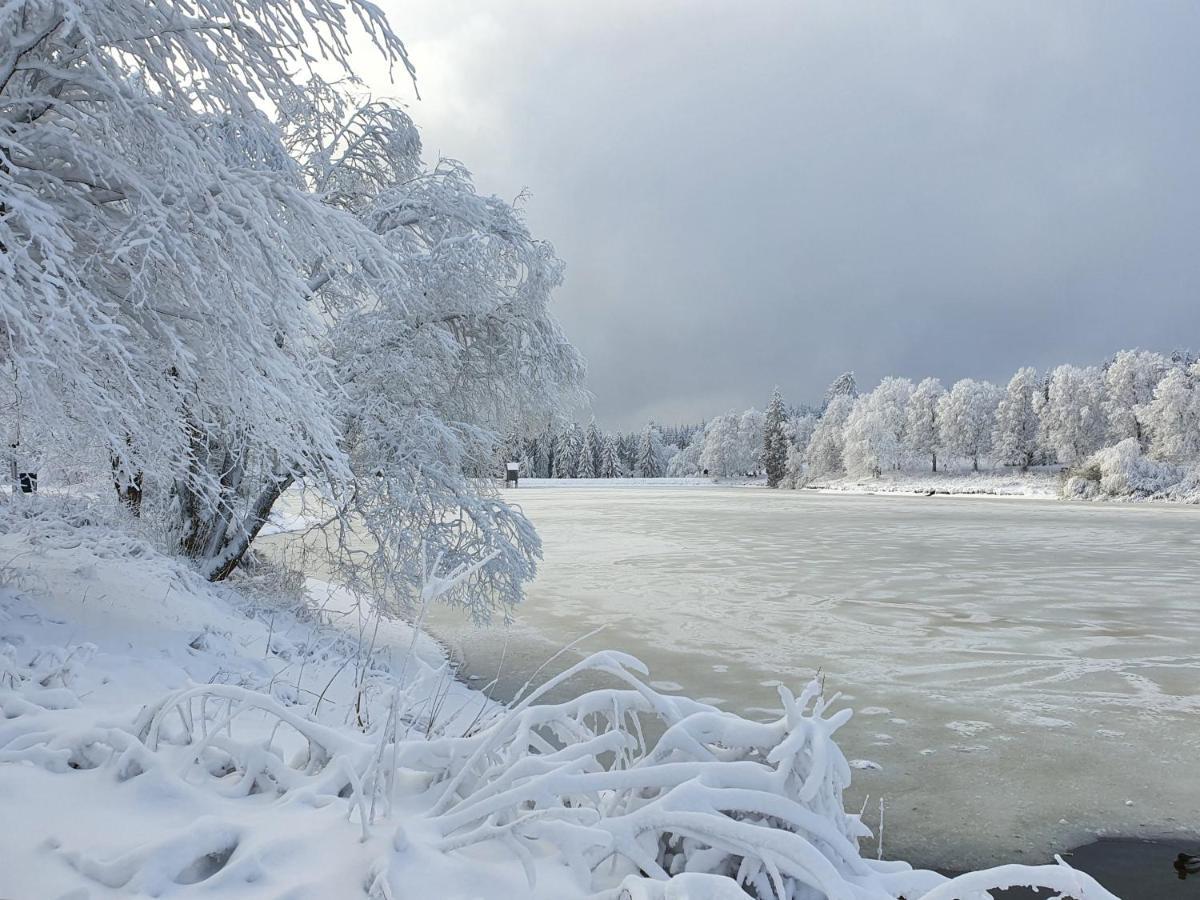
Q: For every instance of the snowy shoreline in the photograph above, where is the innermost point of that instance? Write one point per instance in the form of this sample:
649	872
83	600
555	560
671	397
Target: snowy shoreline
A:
1034	486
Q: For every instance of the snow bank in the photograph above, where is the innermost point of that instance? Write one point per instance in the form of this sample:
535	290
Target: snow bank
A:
159	735
1037	484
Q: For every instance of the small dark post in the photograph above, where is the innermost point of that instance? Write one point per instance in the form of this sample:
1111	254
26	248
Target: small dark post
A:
511	470
26	482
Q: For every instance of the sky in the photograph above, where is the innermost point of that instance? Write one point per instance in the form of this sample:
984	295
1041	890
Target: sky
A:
750	194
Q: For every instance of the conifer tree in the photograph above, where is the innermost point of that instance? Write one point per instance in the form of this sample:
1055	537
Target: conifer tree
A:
775	442
585	467
649	465
610	459
592	445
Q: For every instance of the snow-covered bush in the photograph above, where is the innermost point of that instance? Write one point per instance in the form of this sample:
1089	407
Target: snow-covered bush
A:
1122	471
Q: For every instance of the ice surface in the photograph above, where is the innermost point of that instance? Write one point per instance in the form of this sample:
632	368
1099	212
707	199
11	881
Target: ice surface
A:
1038	662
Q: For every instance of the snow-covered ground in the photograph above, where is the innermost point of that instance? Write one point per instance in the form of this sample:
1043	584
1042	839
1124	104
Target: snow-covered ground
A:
163	737
1026	674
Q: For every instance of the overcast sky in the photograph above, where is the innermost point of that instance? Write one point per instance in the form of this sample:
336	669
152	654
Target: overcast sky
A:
750	193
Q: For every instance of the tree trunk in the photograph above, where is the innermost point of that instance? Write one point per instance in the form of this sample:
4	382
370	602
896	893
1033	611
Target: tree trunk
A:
128	487
236	545
130	495
935	462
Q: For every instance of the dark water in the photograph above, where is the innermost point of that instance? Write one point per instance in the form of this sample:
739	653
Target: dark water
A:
1131	869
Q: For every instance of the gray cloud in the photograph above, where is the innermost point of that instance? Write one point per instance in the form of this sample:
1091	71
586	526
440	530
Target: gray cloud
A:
756	193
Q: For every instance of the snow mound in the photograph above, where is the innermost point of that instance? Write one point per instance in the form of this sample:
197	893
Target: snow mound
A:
161	736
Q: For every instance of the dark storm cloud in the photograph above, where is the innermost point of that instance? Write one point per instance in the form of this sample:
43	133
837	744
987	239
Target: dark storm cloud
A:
756	193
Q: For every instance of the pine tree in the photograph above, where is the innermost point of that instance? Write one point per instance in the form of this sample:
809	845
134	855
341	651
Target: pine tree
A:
541	456
572	444
610	459
649	465
586	465
775	442
843	386
592	445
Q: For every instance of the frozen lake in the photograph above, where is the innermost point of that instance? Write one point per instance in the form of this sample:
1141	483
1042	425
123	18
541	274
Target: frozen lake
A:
1021	669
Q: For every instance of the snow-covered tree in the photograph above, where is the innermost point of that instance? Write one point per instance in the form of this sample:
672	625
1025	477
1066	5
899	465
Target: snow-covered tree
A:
570	445
231	303
1173	416
750	441
800	430
1129	382
775	440
874	430
585	467
1072	419
687	462
1015	437
967	416
824	454
627	444
589	464
610	459
650	462
159	243
721	454
540	456
842	386
922	434
460	344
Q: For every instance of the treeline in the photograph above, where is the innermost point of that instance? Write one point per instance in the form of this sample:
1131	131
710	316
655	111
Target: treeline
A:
588	452
1063	417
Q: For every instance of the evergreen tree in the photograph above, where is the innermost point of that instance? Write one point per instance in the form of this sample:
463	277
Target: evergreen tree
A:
592	445
649	461
541	456
627	449
586	466
610	459
775	442
843	386
572	444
